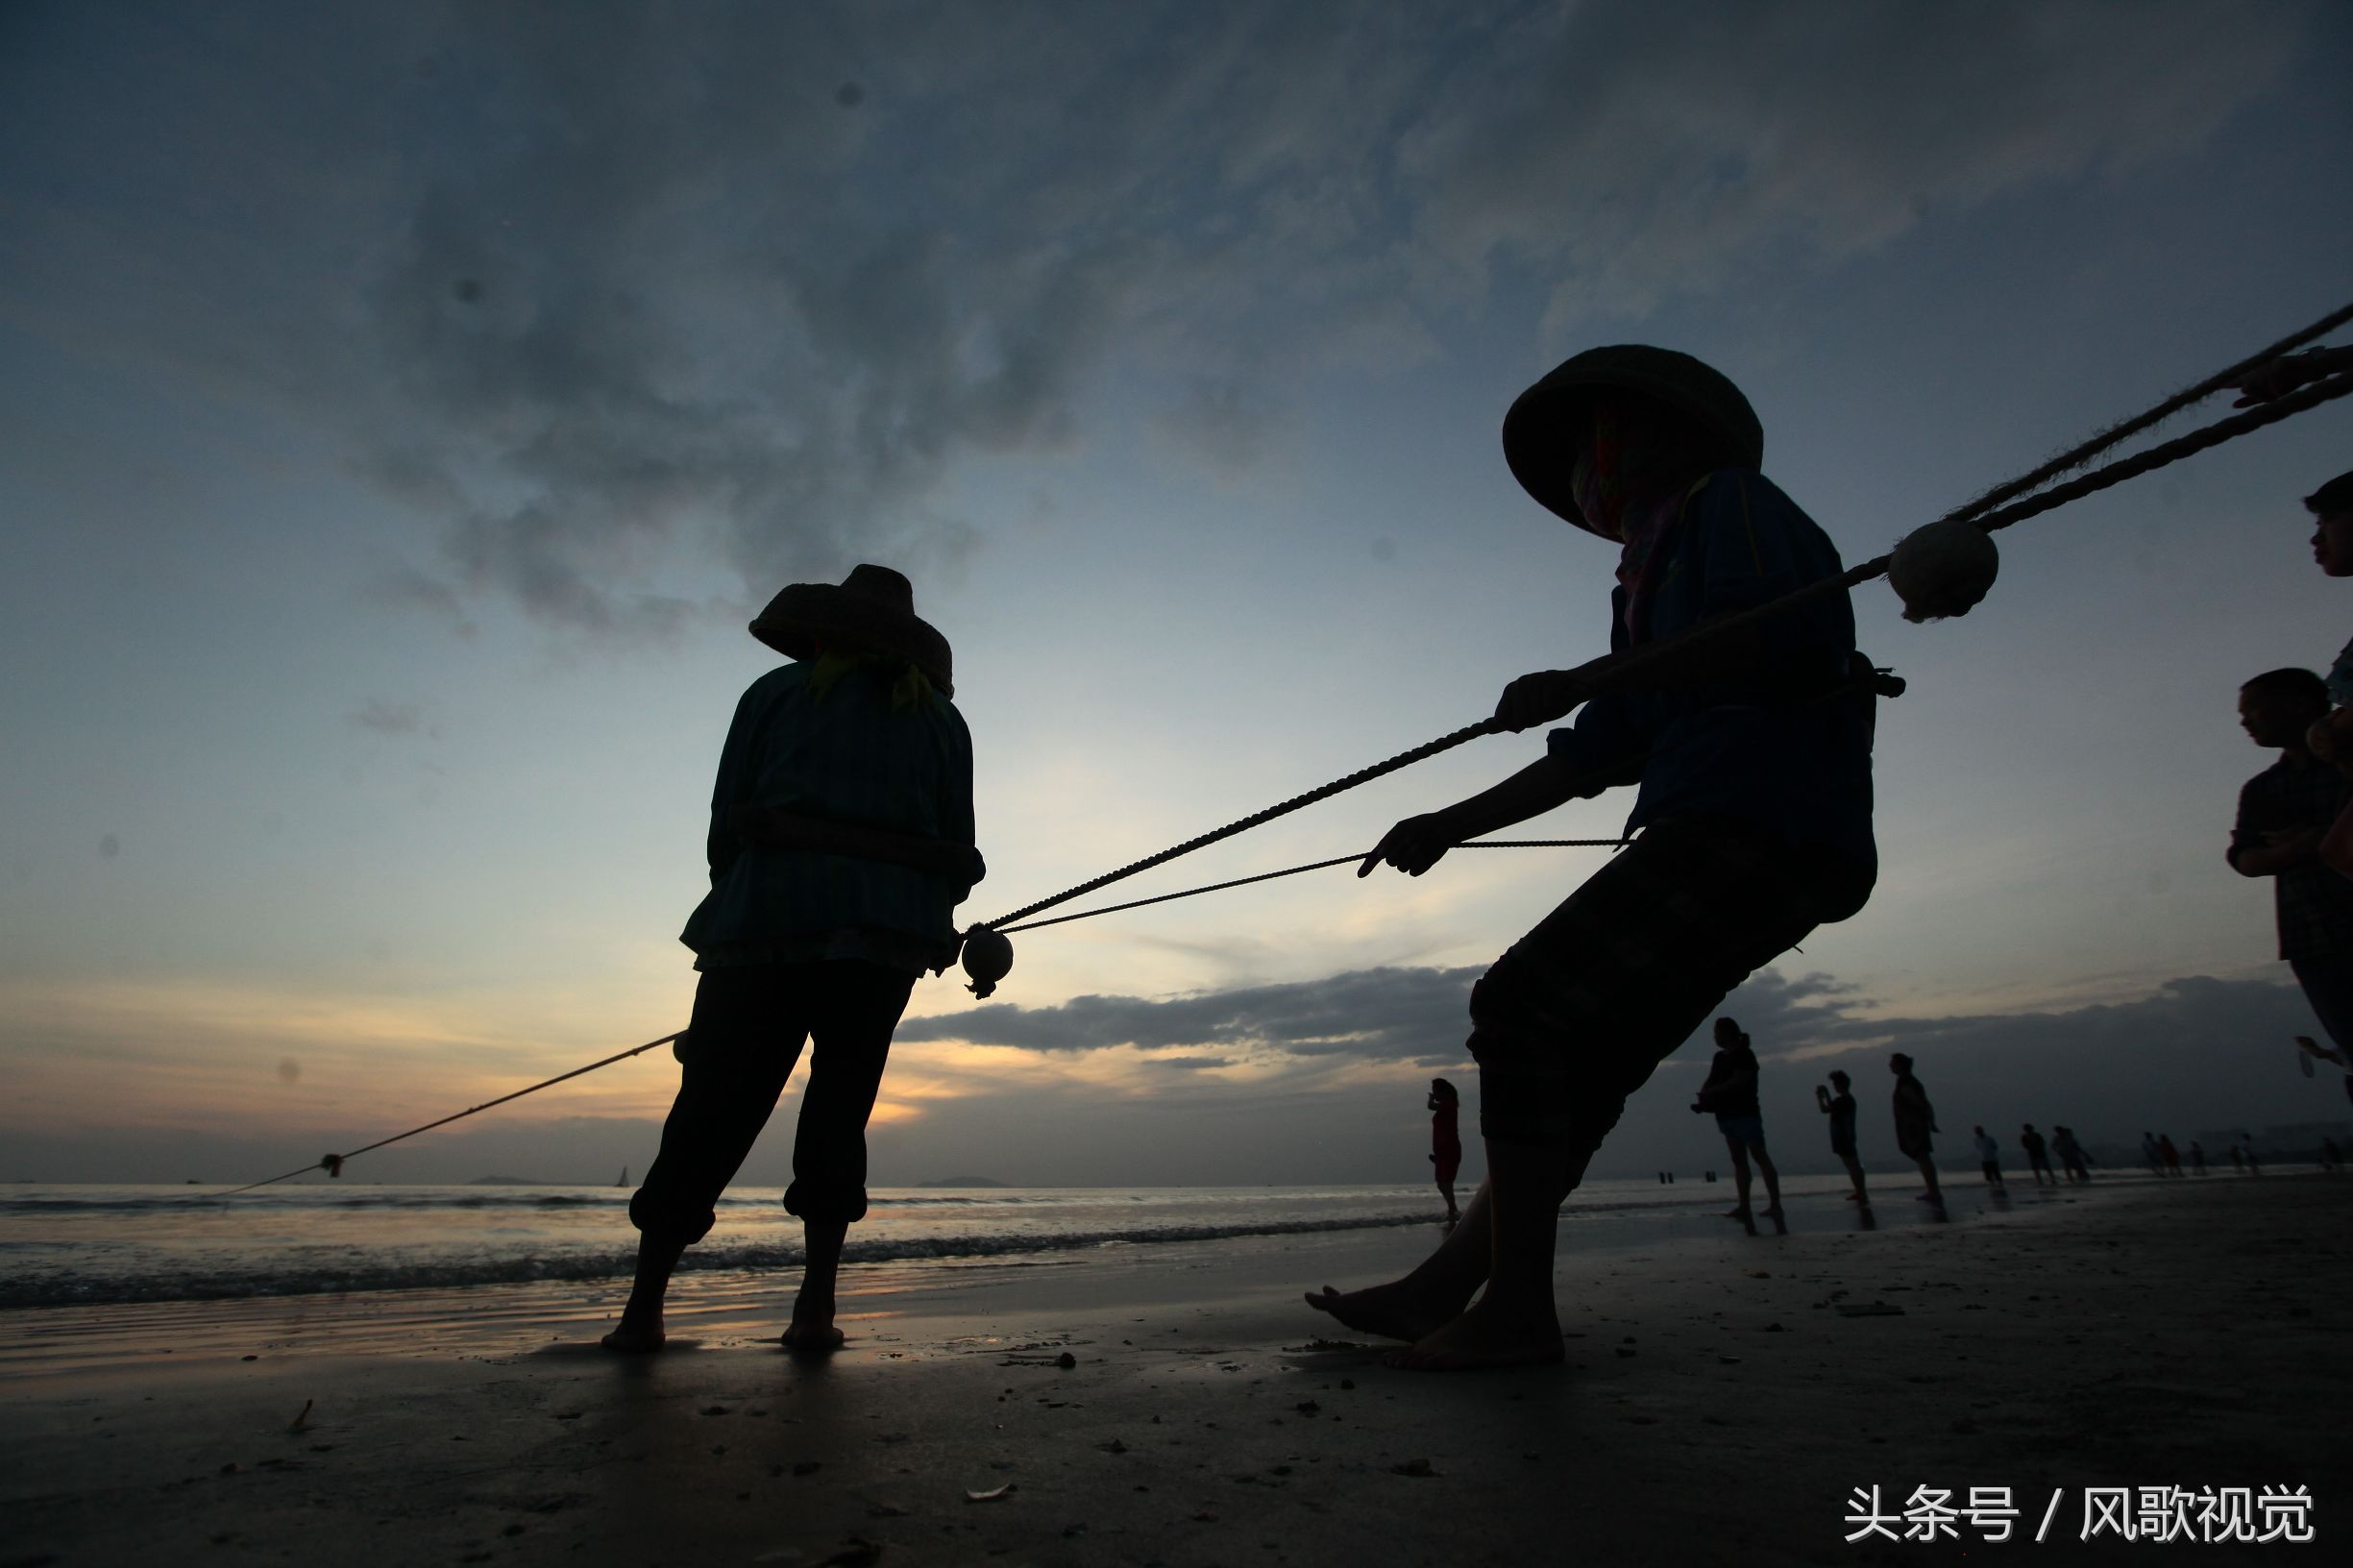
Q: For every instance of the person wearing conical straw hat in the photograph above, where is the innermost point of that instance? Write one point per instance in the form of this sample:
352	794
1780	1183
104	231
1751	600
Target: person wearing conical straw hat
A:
841	842
1754	768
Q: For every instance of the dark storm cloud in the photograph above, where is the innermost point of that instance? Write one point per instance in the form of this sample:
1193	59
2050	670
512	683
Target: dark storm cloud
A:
2191	1043
2194	1056
1384	1015
1390	1014
1638	161
2171	1036
615	291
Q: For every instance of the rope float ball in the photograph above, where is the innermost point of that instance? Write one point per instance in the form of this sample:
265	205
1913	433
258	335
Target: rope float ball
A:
988	958
1943	569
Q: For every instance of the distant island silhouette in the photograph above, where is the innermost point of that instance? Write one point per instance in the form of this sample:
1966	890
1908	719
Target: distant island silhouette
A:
511	1181
965	1181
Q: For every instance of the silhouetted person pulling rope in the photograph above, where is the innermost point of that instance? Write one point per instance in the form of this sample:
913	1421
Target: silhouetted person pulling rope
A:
841	840
1751	835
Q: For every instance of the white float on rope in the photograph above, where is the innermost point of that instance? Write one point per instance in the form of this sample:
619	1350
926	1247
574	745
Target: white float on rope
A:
1943	569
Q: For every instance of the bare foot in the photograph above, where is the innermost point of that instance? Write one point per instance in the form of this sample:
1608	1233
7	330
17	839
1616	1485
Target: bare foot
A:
812	1331
1390	1310
635	1337
811	1338
1484	1337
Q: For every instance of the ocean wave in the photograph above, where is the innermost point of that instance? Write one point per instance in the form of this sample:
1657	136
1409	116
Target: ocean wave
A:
67	1287
309	1199
318	1196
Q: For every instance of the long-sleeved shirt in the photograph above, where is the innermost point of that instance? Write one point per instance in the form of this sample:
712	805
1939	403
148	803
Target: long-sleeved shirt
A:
1742	748
848	755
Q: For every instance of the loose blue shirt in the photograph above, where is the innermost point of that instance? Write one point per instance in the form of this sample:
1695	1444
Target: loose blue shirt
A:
1742	748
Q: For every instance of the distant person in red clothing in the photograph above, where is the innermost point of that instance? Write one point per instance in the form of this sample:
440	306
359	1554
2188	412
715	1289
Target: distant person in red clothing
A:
1445	1143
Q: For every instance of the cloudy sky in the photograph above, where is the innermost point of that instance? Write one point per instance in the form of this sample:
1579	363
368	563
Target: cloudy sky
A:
402	410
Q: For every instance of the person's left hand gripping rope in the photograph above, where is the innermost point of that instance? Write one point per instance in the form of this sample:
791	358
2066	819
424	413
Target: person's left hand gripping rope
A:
1540	698
1419	842
1413	846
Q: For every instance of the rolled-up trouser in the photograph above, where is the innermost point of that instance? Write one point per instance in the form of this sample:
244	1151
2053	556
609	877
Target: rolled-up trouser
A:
1577	1015
2328	989
747	1028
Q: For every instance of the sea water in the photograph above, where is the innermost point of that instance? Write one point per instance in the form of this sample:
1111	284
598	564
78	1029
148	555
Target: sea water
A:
99	1244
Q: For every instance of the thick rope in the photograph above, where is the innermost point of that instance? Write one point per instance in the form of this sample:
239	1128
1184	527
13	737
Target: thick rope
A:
1365	776
332	1164
2310	396
1295	871
2079	454
1873	680
1614	672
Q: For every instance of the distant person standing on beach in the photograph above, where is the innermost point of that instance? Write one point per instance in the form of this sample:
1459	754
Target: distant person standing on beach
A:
2284	812
1730	1092
1754	762
2171	1155
841	840
2071	1153
2197	1157
2151	1155
2038	1157
1916	1125
1989	1157
1840	1108
1446	1141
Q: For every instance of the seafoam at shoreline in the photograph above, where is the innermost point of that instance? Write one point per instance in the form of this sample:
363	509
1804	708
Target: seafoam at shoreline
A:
117	1245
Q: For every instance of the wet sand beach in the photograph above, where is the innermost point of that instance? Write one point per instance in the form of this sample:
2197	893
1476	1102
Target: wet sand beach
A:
1722	1398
